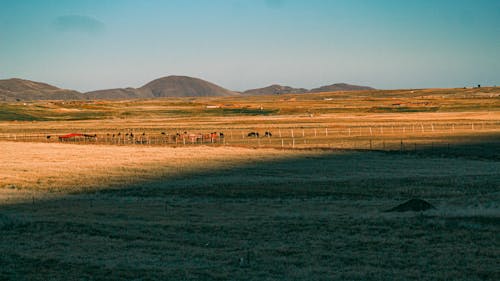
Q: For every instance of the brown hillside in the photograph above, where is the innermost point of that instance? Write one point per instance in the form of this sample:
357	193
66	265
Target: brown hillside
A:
119	93
340	87
20	89
275	90
183	86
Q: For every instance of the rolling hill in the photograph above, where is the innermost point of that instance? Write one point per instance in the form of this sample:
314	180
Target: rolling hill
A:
170	86
278	89
340	87
20	89
118	93
275	90
183	86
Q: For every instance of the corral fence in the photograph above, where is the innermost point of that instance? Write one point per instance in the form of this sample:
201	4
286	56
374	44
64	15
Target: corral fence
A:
439	137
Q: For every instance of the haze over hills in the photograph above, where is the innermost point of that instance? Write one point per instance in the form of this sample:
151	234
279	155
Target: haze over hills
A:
20	89
170	86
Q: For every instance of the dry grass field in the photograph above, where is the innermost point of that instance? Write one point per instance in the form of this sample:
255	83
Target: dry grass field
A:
305	207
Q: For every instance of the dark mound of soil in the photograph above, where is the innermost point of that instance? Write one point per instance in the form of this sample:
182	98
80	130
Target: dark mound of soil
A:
413	205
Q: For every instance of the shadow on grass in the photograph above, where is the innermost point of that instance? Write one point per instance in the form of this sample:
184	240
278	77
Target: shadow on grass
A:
474	150
314	217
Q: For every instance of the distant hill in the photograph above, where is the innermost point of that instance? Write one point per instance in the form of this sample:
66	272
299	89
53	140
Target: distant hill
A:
274	90
183	86
170	86
119	93
278	89
19	89
340	87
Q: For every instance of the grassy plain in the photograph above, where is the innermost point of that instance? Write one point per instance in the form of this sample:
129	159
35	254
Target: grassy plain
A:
244	211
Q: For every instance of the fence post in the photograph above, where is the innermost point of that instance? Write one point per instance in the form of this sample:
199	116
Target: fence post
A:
401	146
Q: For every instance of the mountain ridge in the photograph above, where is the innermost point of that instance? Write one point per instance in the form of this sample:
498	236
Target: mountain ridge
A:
274	89
169	86
340	87
279	89
22	89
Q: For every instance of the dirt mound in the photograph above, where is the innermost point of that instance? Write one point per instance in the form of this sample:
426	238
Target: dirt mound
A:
413	205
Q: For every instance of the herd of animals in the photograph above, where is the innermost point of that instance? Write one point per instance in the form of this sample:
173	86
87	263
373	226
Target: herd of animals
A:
184	137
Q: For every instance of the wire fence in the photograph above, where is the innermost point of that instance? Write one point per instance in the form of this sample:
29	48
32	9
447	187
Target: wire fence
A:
406	137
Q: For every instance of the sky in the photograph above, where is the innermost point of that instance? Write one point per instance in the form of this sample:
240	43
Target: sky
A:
242	44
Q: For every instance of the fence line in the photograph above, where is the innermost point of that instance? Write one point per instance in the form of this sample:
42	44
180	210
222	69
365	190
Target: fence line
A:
386	137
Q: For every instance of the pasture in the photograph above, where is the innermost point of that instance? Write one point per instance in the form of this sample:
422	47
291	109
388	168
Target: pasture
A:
307	203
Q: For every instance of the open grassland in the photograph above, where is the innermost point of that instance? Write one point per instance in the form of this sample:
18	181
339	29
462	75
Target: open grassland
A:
380	120
377	101
246	208
208	213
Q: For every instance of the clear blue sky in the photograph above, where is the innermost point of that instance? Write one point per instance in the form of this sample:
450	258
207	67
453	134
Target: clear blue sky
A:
241	44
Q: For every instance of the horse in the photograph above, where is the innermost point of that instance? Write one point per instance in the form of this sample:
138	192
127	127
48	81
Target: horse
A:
253	134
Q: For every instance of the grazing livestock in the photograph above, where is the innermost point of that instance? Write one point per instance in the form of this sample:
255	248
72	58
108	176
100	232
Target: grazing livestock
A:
268	134
221	135
253	134
73	136
48	137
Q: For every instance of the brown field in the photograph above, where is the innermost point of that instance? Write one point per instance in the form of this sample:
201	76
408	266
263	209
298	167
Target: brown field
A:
306	204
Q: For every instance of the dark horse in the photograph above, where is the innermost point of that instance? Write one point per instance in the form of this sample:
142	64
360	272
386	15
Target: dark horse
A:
253	134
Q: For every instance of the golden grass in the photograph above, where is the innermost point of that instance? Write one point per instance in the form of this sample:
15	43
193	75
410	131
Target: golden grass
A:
223	212
68	167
